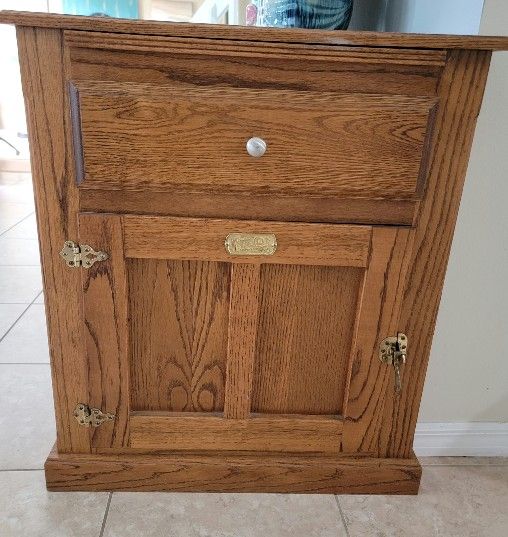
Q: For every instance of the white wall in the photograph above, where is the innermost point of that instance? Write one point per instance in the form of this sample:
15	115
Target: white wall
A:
434	16
467	379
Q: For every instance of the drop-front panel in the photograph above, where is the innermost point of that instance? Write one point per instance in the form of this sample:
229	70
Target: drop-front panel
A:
254	227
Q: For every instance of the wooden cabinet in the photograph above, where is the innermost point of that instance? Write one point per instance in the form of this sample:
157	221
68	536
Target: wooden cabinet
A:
191	347
222	322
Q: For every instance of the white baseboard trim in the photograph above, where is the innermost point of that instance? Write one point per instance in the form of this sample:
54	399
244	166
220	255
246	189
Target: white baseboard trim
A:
461	439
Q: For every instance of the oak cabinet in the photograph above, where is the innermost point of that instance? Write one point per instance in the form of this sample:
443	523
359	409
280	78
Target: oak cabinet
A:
220	321
191	347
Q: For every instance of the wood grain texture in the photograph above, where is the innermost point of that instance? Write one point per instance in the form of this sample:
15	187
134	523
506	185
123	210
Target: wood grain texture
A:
353	145
56	199
106	327
233	473
461	91
299	360
242	330
196	432
194	64
372	382
308	208
306	323
375	39
198	239
289	51
178	327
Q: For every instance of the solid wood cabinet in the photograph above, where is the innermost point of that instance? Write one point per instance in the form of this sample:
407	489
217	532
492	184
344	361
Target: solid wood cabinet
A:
221	322
190	346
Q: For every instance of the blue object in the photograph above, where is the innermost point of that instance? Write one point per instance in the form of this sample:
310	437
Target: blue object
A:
122	9
319	14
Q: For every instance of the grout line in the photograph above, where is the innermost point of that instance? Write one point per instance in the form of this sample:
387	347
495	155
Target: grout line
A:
22	303
46	363
105	515
342	517
466	465
21	469
17	320
14	225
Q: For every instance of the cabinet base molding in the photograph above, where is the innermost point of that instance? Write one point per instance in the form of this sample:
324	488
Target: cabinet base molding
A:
232	473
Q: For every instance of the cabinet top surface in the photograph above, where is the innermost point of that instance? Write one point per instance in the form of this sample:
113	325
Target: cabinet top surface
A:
246	33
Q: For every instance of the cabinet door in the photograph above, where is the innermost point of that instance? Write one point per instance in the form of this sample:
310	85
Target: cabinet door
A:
238	335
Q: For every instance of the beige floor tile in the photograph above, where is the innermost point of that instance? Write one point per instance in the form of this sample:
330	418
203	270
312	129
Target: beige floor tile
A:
26	229
19	285
222	515
27	342
19	252
8	315
27	509
463	461
27	423
39	299
16	188
12	213
460	501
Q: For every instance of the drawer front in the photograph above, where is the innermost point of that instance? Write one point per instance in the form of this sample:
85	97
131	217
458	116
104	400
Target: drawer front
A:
350	145
347	130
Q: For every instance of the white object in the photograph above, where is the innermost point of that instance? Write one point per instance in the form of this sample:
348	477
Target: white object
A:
256	147
477	439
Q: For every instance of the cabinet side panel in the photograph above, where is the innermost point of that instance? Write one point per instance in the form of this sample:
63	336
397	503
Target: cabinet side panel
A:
461	93
42	71
178	329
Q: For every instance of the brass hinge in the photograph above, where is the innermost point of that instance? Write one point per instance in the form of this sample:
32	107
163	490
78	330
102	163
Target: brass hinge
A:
393	351
91	417
81	255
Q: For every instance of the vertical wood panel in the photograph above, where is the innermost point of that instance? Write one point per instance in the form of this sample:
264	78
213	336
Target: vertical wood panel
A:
461	91
179	320
306	323
106	327
243	319
42	71
371	381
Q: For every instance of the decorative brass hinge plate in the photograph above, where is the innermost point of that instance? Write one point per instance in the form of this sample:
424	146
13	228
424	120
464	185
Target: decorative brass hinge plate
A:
91	417
251	244
393	351
81	255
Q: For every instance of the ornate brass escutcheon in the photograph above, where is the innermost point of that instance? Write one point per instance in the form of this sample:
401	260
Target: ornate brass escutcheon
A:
393	351
91	417
251	243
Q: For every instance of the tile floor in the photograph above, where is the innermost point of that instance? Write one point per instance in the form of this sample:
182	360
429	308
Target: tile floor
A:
459	496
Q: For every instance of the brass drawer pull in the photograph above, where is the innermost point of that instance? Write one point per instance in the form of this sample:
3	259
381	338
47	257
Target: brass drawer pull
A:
251	244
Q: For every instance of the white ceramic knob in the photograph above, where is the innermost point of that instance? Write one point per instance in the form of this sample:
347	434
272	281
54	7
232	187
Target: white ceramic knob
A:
256	147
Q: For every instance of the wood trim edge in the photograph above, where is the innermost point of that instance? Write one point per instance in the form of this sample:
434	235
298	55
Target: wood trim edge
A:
218	31
232	473
77	138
